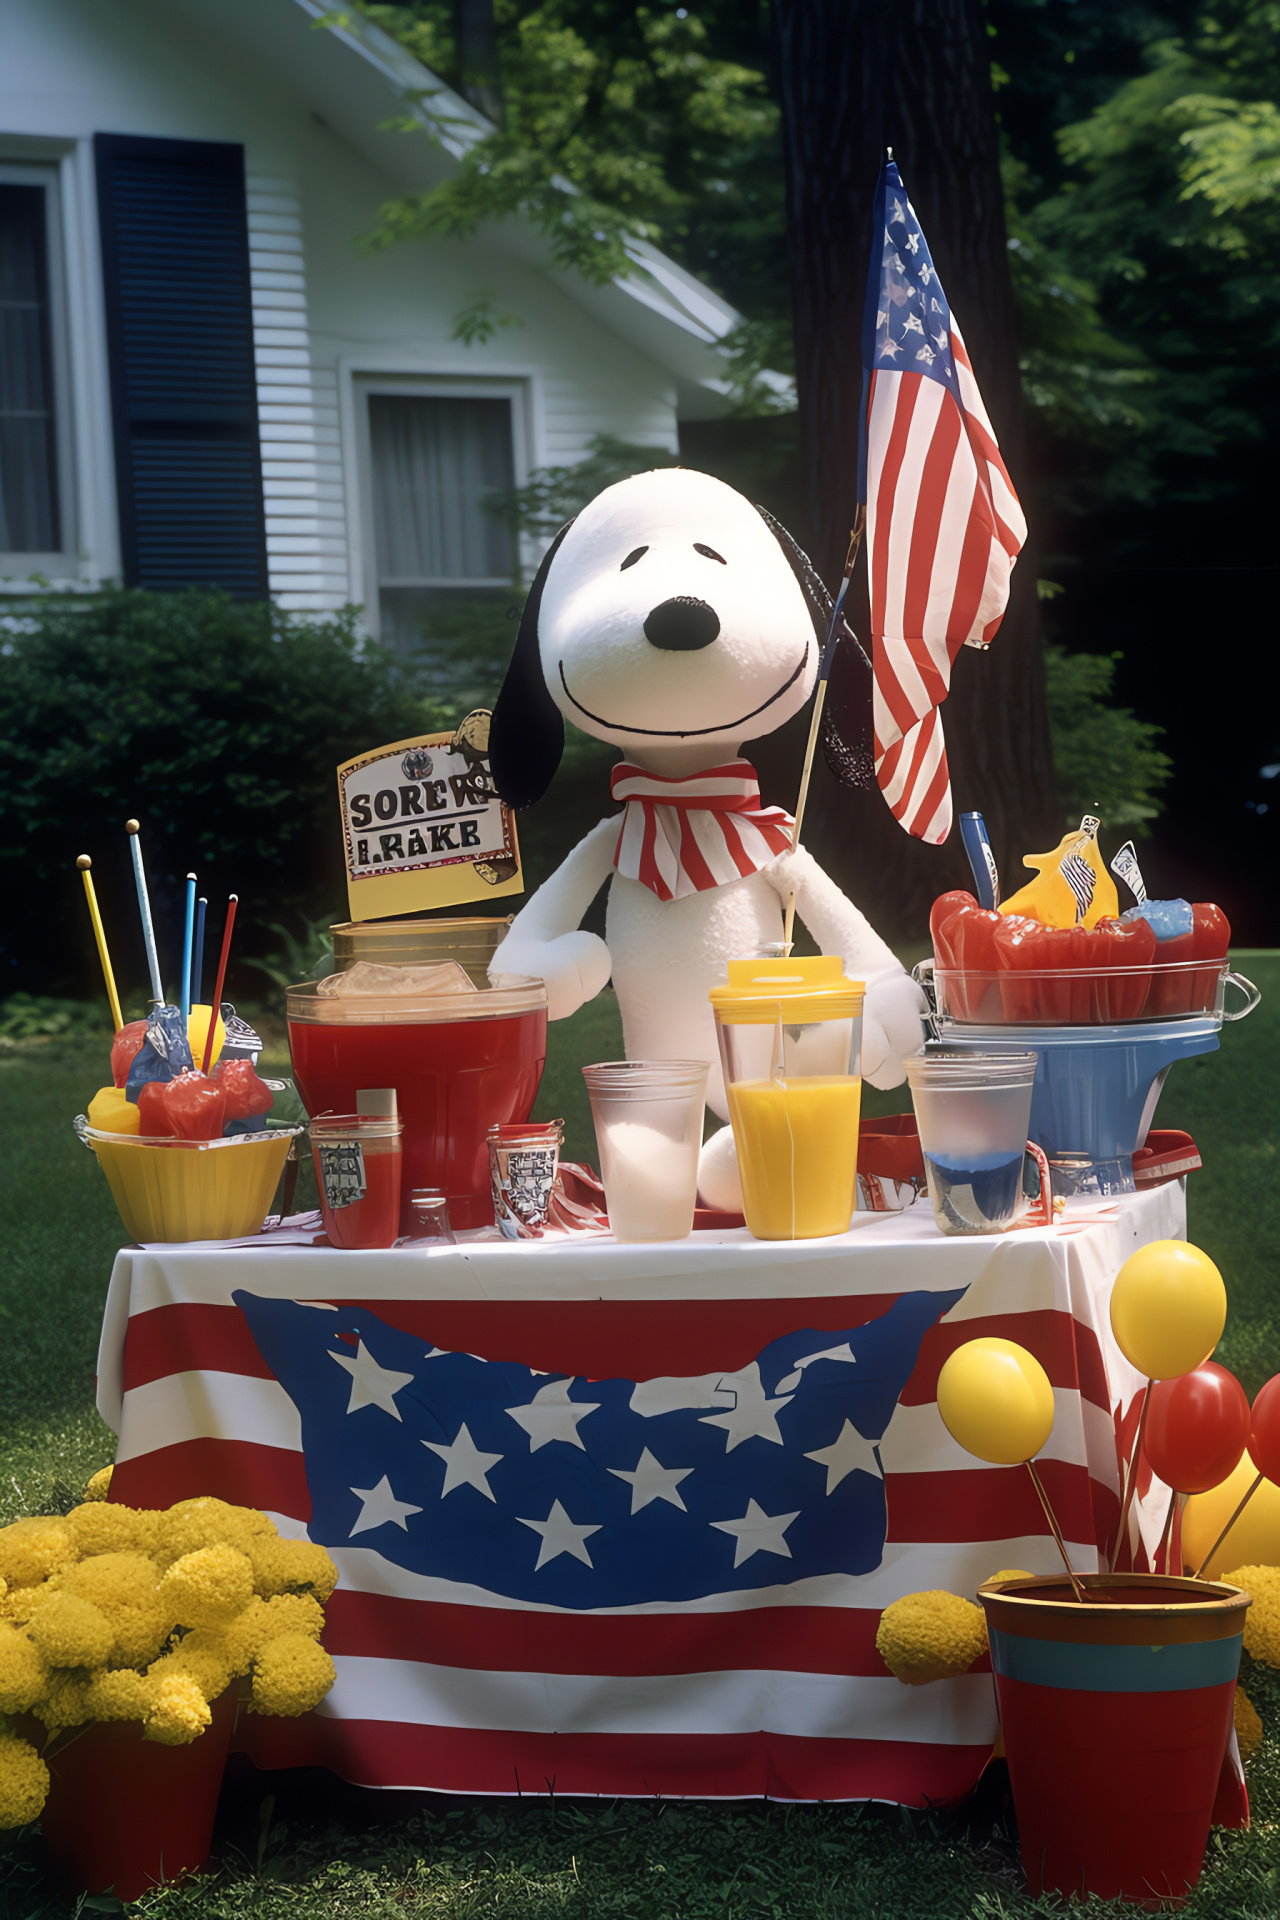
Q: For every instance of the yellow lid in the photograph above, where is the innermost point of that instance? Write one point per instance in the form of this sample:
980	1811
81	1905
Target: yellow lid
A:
796	990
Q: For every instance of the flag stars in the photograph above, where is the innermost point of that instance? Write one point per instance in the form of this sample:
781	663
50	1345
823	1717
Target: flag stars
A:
912	243
560	1535
913	324
890	347
850	1452
753	1415
942	339
652	1481
552	1415
757	1532
464	1464
380	1508
371	1385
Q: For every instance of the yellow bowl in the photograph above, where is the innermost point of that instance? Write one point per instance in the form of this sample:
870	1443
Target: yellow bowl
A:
191	1189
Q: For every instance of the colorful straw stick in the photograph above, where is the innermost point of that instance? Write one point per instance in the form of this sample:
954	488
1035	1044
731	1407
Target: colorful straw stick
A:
1199	1572
144	906
982	862
222	974
84	863
188	934
197	958
1076	1582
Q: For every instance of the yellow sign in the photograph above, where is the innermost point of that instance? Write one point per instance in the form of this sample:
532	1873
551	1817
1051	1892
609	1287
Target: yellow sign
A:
422	826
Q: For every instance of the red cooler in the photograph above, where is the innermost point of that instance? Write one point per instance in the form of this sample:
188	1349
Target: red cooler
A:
460	1063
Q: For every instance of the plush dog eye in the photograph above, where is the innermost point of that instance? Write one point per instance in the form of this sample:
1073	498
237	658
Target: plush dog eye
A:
710	553
638	553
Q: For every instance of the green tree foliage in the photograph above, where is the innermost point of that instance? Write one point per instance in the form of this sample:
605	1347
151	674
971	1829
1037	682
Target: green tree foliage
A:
1105	758
218	724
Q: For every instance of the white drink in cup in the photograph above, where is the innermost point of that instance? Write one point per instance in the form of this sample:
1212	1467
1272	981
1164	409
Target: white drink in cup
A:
648	1121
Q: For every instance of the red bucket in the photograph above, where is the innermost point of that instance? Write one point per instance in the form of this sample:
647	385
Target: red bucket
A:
1116	1716
124	1813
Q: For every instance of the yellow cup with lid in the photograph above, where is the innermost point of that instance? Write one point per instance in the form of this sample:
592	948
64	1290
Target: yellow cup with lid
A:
790	1034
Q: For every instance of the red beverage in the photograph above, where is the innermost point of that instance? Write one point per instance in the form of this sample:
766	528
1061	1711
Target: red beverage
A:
456	1073
357	1161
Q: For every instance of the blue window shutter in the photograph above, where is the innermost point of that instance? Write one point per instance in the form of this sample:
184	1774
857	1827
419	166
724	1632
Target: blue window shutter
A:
175	256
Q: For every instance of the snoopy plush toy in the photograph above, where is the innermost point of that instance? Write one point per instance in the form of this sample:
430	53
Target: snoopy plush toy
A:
675	620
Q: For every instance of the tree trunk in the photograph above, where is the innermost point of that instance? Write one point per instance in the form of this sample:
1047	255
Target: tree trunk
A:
475	35
857	75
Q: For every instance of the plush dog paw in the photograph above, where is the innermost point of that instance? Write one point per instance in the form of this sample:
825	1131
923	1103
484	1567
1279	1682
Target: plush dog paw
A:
575	966
891	1027
719	1184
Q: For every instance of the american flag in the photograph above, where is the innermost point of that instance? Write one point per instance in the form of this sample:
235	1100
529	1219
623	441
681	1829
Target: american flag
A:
944	526
621	1530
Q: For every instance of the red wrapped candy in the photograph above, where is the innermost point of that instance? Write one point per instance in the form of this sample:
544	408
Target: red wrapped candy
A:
246	1094
190	1107
126	1043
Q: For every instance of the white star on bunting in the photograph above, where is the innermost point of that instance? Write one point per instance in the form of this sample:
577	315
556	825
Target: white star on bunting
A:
757	1532
753	1416
652	1481
552	1415
560	1535
891	347
464	1464
848	1453
371	1385
380	1507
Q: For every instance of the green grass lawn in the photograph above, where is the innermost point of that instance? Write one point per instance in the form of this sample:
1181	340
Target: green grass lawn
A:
318	1849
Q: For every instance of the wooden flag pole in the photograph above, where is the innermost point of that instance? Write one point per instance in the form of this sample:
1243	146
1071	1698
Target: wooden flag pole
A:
819	701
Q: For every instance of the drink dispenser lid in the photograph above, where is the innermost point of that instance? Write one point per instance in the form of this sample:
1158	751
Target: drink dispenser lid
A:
800	991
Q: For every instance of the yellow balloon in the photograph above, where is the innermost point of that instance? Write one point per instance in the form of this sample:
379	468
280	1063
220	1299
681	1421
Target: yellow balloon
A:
995	1399
1254	1541
198	1031
1168	1308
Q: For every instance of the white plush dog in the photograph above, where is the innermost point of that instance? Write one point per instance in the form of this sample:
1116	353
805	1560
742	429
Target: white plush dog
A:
675	620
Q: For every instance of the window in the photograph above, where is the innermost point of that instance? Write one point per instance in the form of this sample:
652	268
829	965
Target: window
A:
33	519
445	557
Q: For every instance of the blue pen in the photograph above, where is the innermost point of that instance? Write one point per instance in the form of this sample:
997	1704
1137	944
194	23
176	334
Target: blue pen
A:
986	879
188	932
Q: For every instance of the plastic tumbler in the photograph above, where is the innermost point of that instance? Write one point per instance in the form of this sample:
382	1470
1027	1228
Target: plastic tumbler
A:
523	1163
973	1111
357	1161
648	1121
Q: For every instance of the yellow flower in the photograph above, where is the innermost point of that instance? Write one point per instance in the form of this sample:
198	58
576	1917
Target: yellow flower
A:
121	1694
1248	1725
292	1613
30	1550
23	1673
1262	1622
125	1587
24	1782
71	1632
291	1675
280	1566
179	1712
208	1587
100	1527
65	1702
202	1657
1010	1573
193	1524
930	1636
242	1637
99	1486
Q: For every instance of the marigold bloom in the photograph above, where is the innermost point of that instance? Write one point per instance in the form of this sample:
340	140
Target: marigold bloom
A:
930	1636
23	1673
125	1586
30	1550
121	1694
1262	1622
100	1484
24	1782
1011	1573
71	1632
291	1675
193	1524
209	1587
64	1702
99	1527
282	1566
202	1658
179	1713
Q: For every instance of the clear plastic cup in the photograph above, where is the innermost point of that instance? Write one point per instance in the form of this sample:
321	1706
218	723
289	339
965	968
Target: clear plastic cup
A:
648	1121
357	1160
523	1163
973	1111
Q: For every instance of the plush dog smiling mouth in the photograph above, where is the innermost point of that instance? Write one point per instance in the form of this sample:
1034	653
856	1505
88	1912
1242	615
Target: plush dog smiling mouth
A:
686	733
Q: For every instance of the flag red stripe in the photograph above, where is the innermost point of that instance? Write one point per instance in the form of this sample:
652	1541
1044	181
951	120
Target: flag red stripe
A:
927	520
1068	1352
641	1765
881	502
997	1503
241	1472
972	572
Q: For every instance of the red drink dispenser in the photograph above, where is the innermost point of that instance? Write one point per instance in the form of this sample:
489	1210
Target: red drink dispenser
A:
459	1062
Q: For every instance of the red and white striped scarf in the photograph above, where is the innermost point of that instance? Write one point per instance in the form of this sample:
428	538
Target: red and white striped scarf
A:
686	835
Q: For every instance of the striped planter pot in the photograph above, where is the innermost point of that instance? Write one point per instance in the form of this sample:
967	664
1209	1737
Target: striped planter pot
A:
1116	1716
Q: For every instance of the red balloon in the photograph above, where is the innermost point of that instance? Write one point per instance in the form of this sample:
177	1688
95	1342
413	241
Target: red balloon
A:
1264	1432
1197	1428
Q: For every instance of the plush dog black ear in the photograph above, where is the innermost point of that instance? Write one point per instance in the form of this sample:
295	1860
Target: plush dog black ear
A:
526	734
846	714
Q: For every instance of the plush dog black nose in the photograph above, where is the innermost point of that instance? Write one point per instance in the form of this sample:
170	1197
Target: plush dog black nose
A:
682	625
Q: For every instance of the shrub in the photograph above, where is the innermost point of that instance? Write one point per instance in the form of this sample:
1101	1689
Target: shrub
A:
219	725
1105	758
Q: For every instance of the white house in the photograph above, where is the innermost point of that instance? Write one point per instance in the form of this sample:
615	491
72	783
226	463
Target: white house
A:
204	379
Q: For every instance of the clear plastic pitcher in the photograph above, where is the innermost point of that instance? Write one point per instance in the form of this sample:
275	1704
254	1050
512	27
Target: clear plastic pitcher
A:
974	1112
790	1034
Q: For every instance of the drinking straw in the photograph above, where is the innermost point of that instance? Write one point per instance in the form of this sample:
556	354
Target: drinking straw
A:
1199	1572
222	974
188	932
144	904
84	863
197	960
1050	1516
982	862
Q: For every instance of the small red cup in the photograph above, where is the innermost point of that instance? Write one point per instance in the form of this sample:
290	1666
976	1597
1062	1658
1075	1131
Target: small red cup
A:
357	1161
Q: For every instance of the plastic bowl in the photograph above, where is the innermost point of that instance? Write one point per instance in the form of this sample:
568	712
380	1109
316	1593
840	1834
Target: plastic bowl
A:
170	1190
